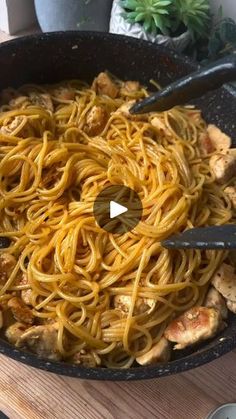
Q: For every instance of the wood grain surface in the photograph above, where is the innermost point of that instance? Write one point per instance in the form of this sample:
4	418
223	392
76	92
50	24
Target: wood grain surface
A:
27	393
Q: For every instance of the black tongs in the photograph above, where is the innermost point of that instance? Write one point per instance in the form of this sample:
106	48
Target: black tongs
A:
179	93
190	87
215	237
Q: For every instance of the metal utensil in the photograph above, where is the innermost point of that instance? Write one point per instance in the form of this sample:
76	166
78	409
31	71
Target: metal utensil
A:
225	411
190	87
216	237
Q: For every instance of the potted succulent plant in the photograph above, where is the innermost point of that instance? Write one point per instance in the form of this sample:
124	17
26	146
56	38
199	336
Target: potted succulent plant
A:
171	22
62	15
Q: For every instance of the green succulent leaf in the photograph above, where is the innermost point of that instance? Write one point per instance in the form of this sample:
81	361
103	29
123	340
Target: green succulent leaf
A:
152	14
140	17
195	14
160	16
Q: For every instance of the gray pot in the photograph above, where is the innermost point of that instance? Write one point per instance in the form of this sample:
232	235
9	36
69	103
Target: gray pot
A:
63	15
120	26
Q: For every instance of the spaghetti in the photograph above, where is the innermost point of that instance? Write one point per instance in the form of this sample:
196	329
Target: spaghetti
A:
111	297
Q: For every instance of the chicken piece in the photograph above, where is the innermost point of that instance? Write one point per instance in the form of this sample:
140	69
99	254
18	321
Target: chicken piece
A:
64	93
160	352
13	126
142	305
25	294
15	331
20	311
129	87
214	299
41	340
220	141
194	326
205	144
18	102
96	120
42	99
157	123
224	280
103	85
231	193
223	167
124	110
84	358
7	264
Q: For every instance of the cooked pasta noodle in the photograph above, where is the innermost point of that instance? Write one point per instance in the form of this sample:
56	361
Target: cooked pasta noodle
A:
52	167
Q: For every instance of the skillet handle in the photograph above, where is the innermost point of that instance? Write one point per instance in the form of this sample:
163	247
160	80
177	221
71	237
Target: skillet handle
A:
190	87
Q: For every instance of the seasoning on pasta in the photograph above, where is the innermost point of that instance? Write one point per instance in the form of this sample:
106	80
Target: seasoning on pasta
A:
72	291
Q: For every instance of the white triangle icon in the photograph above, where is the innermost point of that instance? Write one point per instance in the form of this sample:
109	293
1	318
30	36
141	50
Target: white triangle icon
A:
116	209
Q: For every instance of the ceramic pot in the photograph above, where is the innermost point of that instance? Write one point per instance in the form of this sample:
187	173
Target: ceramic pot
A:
64	15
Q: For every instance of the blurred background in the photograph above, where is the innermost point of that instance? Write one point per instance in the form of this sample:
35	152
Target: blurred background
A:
202	29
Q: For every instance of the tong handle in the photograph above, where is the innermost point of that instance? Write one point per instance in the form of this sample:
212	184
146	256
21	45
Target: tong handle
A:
214	237
190	87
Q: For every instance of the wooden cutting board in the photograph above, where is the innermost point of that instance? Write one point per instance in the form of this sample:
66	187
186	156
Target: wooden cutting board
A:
27	393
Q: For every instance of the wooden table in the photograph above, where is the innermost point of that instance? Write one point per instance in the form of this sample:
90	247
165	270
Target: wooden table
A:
26	393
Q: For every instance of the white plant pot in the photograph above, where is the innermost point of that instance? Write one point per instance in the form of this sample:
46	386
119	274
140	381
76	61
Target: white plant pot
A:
120	26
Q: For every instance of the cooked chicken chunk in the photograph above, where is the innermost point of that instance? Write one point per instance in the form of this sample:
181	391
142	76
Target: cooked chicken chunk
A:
103	85
223	167
84	358
15	331
64	93
231	306
157	123
160	352
221	141
18	102
142	305
41	340
194	326
124	110
13	127
41	99
231	193
129	87
224	280
20	311
205	143
25	294
7	264
214	299
96	120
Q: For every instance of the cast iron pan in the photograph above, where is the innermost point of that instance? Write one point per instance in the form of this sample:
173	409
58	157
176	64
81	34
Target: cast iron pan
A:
50	58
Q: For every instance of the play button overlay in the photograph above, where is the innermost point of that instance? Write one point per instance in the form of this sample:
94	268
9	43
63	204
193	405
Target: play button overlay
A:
118	209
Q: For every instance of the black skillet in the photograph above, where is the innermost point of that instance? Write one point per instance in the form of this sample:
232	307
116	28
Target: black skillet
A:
52	57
